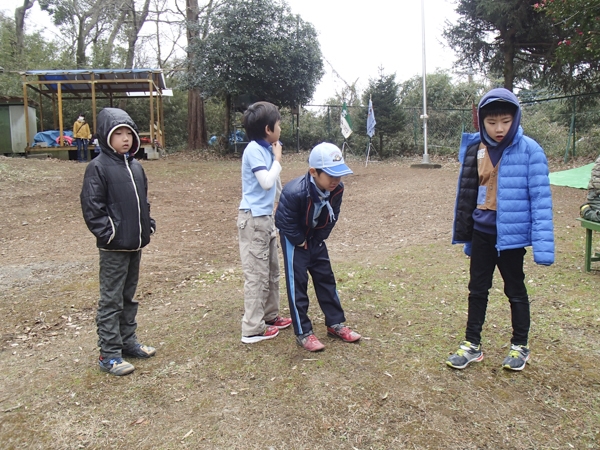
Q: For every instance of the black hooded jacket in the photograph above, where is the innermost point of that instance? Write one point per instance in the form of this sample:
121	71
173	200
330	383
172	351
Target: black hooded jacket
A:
114	193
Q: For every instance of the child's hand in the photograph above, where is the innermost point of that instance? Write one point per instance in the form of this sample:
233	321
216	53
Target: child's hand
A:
277	150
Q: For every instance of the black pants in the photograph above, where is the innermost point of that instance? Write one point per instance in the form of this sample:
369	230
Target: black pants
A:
117	309
299	262
484	259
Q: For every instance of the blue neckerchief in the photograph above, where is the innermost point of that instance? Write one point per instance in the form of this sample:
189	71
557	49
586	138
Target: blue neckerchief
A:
320	199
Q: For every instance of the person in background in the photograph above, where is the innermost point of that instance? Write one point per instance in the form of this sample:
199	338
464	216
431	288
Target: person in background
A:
96	145
82	135
591	209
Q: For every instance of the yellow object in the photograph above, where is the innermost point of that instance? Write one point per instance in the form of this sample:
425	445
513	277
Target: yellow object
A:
81	130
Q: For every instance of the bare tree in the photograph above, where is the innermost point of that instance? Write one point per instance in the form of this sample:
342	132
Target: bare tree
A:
136	20
83	21
174	27
110	42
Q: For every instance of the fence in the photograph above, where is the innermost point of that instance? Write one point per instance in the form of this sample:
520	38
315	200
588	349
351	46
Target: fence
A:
565	127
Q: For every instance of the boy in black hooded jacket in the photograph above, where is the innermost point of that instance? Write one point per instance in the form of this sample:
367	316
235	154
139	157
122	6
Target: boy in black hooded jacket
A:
116	210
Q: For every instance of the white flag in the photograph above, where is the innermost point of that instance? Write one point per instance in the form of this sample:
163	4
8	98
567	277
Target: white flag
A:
345	122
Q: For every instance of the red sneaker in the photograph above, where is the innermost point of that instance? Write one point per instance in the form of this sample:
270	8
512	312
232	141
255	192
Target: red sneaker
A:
269	333
310	343
280	322
344	333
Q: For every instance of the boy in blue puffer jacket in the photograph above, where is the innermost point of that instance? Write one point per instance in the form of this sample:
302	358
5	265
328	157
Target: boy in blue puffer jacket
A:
503	204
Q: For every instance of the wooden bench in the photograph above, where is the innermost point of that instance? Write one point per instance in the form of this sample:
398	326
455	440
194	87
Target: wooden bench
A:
590	227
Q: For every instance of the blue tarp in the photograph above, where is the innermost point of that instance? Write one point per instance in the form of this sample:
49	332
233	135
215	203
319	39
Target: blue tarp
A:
238	136
49	137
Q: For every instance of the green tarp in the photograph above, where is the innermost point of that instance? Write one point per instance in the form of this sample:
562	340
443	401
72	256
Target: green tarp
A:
577	178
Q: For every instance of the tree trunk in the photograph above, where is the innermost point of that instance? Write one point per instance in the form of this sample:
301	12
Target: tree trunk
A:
111	39
20	26
137	21
197	136
196	126
381	145
227	124
87	21
80	59
509	59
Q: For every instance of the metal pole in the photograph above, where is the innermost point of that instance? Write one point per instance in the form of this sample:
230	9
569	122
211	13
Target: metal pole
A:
424	116
298	129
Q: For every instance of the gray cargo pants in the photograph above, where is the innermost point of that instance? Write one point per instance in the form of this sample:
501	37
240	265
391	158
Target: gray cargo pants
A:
119	273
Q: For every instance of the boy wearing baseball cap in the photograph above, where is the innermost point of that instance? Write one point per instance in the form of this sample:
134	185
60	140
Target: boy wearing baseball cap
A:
308	210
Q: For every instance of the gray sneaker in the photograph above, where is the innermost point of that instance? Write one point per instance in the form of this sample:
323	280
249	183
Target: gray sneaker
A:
517	357
115	366
466	354
139	351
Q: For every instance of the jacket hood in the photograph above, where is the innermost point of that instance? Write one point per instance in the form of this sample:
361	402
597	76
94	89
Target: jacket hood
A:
109	119
499	95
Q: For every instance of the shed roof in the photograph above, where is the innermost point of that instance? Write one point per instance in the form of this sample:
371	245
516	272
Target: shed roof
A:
105	80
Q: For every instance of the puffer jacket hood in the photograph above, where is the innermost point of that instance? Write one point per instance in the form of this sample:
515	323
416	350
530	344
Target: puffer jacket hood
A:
109	119
499	95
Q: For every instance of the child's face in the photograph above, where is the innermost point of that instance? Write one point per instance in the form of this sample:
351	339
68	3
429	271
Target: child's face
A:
273	135
121	140
324	181
497	126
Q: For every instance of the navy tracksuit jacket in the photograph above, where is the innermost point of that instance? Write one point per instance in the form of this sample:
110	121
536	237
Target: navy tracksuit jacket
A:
294	219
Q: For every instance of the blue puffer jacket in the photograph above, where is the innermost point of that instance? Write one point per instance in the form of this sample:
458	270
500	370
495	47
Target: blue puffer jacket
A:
296	209
524	199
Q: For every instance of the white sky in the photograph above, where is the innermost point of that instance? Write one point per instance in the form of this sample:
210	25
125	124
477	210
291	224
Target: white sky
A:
356	36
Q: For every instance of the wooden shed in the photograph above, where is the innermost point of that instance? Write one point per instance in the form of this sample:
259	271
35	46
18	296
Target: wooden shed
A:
58	86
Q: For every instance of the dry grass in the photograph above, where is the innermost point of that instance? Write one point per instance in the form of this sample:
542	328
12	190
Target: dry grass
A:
403	287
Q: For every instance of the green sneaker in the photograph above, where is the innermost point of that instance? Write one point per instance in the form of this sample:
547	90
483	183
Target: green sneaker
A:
115	366
517	357
466	354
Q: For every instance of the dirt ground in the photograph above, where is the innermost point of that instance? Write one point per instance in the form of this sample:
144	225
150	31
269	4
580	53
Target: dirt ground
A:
195	206
207	390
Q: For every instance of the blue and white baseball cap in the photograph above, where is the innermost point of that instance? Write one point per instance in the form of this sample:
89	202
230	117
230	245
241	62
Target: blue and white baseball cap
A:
328	157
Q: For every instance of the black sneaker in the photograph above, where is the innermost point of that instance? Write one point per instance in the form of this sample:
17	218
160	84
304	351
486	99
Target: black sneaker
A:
115	366
517	357
465	355
139	351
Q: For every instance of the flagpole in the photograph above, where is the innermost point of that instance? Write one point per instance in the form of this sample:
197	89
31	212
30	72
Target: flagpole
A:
424	116
425	164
